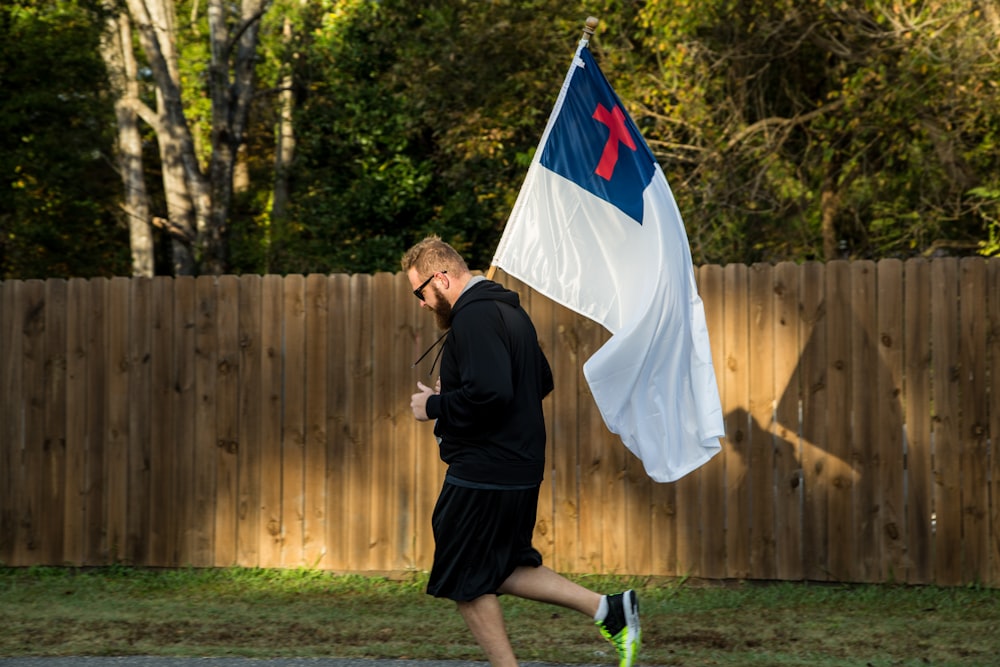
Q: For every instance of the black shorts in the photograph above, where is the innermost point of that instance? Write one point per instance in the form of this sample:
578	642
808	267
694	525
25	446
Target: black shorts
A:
480	537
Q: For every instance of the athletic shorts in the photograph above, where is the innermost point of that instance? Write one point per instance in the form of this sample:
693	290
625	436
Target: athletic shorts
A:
480	537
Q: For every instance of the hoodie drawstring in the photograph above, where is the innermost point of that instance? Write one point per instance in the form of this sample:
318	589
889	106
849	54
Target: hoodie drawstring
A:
428	351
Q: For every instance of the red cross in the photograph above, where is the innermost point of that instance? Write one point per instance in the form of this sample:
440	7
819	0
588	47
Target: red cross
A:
618	133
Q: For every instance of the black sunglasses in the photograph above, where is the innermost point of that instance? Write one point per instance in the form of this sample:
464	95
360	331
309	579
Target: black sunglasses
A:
419	292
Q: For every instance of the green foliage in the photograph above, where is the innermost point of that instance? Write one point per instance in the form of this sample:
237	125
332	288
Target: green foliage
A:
788	130
415	120
783	124
990	212
58	191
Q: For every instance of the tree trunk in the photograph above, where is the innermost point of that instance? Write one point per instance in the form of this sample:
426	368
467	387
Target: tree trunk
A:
181	173
116	52
285	148
199	201
231	84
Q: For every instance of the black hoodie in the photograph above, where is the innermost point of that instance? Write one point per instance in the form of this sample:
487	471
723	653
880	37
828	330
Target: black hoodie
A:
494	376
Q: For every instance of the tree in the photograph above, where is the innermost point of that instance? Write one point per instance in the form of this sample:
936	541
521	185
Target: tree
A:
788	129
198	187
123	74
821	130
418	118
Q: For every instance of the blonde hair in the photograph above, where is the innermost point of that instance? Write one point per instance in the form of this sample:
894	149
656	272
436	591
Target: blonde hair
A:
432	254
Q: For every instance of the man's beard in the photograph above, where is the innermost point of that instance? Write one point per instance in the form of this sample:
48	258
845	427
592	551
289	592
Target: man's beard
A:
441	308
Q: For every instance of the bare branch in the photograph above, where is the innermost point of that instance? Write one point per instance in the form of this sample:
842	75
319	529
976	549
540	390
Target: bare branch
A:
141	109
257	15
777	122
175	230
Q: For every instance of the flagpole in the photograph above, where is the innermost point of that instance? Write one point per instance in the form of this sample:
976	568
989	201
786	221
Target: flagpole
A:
589	27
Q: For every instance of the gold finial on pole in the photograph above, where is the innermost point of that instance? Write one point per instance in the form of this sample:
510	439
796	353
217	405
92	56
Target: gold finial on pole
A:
590	26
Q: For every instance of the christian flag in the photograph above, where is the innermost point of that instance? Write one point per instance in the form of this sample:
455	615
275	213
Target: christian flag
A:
596	229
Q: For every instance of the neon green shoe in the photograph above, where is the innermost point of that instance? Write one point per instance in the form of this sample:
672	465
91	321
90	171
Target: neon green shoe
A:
621	626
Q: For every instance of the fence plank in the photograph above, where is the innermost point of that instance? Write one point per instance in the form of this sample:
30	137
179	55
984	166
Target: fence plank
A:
580	545
139	522
638	528
760	447
204	459
339	290
184	402
813	371
10	403
788	350
566	440
735	404
864	454
53	502
947	449
663	518
541	311
889	420
399	524
917	391
993	354
841	475
615	513
77	389
271	377
293	373
251	399
227	434
314	519
32	333
156	464
116	464
580	421
409	524
688	524
713	507
383	470
95	548
974	438
358	461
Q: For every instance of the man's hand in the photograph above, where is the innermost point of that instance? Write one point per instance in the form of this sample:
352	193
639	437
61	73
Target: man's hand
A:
418	401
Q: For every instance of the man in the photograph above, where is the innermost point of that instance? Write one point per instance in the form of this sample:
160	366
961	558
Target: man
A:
491	432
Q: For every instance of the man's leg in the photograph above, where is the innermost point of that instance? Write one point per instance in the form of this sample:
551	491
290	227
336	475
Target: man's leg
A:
544	585
619	613
485	619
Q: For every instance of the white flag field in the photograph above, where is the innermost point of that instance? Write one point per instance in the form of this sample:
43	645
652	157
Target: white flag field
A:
596	229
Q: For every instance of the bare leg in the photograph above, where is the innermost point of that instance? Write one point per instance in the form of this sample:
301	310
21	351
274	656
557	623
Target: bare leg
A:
544	585
485	619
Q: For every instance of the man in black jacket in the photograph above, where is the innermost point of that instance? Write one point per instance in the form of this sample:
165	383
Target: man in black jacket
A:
491	432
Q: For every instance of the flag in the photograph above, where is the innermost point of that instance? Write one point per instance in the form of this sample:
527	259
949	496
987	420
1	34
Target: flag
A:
596	229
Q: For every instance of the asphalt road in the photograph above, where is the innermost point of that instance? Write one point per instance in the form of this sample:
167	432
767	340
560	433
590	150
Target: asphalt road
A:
149	661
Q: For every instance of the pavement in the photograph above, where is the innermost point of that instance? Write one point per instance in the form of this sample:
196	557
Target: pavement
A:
156	661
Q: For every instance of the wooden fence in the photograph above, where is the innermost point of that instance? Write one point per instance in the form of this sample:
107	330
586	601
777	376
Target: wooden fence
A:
264	421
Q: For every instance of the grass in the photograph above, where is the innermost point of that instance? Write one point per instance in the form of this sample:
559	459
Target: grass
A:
306	613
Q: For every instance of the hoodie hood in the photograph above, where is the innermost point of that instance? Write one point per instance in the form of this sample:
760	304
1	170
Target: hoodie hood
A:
485	290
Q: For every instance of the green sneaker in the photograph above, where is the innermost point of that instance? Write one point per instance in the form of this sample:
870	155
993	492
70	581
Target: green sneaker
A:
621	626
